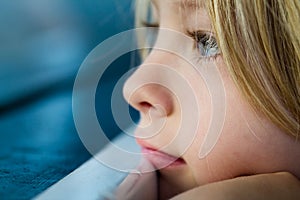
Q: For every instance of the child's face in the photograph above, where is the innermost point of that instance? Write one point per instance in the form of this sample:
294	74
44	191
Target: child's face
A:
171	93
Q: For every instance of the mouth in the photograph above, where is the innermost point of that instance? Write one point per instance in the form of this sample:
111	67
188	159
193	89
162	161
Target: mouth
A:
160	159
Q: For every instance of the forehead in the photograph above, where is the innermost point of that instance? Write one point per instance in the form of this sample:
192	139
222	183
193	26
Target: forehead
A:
193	13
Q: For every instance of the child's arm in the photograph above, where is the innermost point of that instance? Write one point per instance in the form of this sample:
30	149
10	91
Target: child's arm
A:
276	186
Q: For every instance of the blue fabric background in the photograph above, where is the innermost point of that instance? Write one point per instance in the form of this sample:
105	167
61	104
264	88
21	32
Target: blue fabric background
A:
42	44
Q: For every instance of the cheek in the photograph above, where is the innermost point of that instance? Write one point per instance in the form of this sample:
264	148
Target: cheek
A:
236	144
231	156
203	108
244	146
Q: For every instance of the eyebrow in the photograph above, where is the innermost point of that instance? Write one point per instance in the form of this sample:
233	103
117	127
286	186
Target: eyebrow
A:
191	4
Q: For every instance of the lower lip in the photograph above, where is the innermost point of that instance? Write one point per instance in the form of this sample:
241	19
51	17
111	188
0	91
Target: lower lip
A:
161	160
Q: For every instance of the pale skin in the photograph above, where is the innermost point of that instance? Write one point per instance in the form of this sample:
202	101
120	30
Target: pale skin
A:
251	150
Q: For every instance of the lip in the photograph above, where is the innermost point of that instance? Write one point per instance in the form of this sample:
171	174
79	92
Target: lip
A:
158	158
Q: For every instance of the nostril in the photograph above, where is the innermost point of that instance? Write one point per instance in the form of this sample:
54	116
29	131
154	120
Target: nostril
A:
152	109
145	98
145	106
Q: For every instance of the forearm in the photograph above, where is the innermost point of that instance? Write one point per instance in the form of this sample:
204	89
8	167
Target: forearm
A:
277	186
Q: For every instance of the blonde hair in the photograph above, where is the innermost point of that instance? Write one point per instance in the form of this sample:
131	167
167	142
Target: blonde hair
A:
260	44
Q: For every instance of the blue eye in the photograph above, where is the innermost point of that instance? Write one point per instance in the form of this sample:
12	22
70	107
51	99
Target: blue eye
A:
206	44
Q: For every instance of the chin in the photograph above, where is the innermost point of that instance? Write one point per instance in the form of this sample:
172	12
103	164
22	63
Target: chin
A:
175	180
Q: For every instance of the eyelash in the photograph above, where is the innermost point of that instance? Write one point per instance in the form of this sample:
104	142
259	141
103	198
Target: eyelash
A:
206	40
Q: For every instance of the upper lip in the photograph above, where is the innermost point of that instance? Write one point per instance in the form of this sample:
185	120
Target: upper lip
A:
144	144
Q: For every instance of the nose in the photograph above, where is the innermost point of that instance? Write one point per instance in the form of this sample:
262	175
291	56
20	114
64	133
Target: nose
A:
144	90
